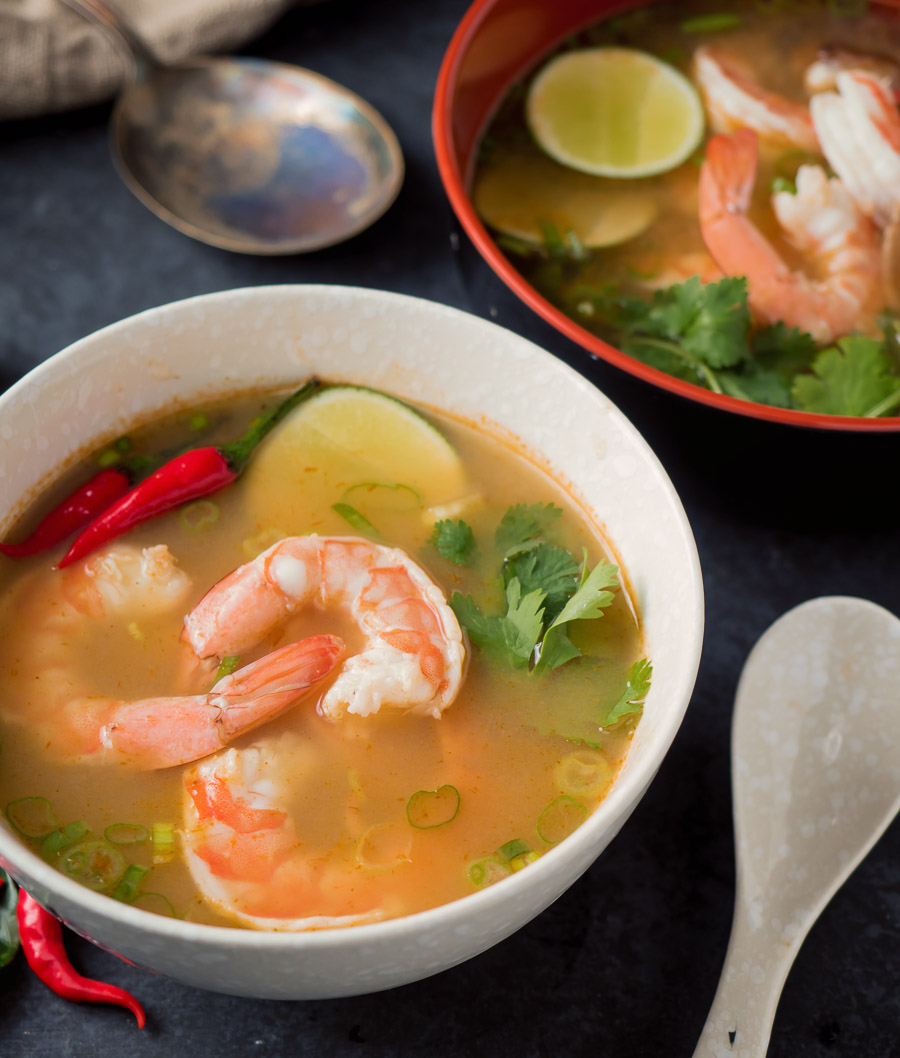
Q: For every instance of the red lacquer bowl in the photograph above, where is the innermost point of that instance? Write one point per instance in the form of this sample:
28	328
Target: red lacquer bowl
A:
495	44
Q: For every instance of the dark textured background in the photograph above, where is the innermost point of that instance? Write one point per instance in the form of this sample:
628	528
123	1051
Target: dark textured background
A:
626	962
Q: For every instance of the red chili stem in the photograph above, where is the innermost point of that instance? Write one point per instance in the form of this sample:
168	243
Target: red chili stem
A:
73	513
189	476
42	941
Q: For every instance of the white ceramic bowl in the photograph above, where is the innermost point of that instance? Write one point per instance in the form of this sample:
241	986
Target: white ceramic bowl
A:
192	350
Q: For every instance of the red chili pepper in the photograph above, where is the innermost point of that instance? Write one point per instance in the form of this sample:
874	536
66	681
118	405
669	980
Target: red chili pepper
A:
42	941
189	476
73	513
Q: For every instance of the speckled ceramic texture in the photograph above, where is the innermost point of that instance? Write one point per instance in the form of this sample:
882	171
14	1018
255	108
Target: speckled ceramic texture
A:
191	350
816	774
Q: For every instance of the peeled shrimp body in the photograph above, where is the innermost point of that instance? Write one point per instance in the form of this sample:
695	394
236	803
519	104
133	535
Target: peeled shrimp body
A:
413	654
821	75
859	130
126	585
840	245
735	101
243	849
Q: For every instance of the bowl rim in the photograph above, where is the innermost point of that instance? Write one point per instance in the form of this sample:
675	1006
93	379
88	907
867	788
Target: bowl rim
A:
454	181
615	807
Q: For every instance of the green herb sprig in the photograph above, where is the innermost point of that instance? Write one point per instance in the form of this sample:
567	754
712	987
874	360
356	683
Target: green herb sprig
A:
703	333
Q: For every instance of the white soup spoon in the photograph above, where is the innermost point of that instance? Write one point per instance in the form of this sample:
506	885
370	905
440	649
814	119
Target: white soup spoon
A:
815	756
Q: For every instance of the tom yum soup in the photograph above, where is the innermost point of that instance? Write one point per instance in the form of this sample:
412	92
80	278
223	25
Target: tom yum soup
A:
715	190
388	664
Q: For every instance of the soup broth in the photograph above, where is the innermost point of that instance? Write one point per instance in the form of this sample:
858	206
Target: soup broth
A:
392	813
627	259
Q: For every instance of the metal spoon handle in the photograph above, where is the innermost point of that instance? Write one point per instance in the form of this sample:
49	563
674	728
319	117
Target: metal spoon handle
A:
120	30
739	1022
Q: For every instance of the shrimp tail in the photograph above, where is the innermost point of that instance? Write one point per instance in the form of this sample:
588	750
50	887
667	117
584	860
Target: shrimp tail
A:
164	732
728	174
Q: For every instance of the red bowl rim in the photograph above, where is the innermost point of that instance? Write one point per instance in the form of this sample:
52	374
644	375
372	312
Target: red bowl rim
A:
455	188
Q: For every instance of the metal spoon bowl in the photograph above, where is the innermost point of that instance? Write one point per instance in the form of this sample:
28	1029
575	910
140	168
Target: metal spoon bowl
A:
253	156
816	778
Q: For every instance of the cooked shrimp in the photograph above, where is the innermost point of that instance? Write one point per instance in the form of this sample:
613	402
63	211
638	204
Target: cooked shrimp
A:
243	849
734	101
832	59
859	129
413	653
126	585
820	220
163	732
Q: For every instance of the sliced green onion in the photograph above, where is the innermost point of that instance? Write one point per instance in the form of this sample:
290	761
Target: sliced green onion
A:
157	903
551	239
64	837
848	8
782	183
513	848
574	246
427	809
199	515
227	666
359	521
636	273
163	839
96	864
123	444
522	860
32	817
255	545
787	163
126	833
487	871
560	818
384	846
520	247
673	55
108	458
712	23
585	773
127	888
384	496
198	422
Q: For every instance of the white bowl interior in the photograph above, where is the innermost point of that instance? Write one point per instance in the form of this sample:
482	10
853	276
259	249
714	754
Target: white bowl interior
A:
186	352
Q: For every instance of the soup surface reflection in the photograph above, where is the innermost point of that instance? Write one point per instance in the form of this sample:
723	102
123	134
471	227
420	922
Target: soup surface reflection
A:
325	821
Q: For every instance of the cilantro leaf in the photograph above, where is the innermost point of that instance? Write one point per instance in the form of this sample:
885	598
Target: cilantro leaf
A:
510	638
851	378
631	700
663	355
784	349
524	522
556	649
757	384
591	598
453	541
587	603
710	321
547	567
720	324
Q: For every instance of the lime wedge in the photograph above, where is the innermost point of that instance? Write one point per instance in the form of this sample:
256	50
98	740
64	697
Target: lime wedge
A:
614	112
517	194
353	436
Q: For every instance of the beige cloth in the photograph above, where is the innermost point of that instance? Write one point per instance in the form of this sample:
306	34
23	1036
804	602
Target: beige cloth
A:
53	59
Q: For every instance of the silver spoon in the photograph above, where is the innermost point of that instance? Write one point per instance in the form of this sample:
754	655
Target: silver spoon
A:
258	157
816	779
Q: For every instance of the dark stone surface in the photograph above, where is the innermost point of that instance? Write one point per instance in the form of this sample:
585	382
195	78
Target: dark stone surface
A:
626	962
